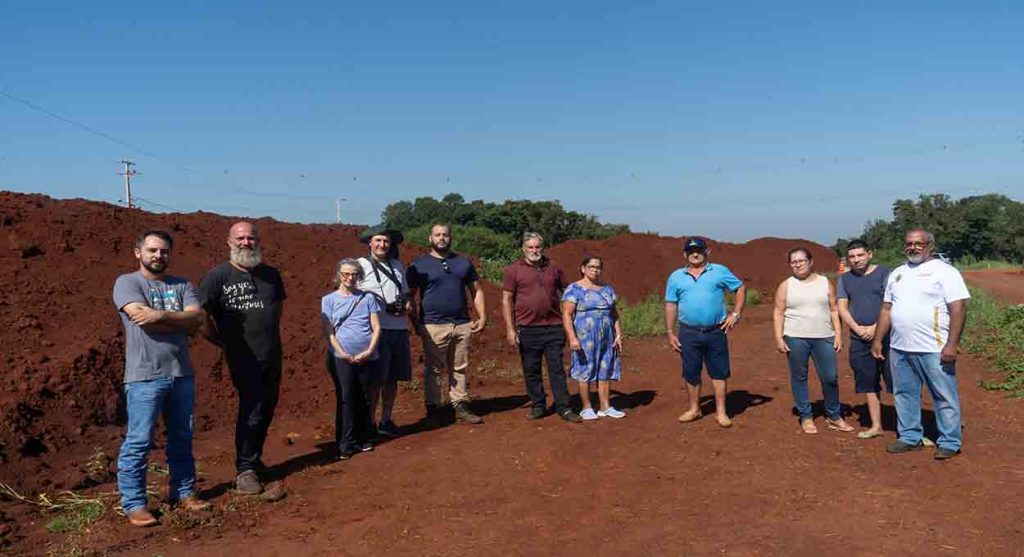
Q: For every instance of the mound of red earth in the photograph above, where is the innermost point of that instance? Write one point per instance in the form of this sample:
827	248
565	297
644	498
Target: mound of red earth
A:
61	395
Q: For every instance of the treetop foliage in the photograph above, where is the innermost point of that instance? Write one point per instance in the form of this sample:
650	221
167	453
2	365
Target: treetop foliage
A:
979	227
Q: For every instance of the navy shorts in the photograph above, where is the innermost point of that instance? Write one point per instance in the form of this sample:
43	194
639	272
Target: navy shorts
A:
704	346
394	356
867	371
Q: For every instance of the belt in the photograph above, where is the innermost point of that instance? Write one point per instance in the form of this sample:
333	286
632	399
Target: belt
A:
707	329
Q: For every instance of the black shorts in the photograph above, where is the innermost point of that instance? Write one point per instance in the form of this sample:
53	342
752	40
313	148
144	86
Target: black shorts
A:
867	371
394	356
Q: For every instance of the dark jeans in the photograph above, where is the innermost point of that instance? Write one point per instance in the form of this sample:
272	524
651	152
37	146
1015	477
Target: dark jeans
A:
353	422
544	342
258	385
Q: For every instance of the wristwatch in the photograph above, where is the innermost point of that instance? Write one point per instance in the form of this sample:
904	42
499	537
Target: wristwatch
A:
736	315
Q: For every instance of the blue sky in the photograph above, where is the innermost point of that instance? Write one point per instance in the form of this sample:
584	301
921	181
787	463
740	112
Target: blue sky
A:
731	120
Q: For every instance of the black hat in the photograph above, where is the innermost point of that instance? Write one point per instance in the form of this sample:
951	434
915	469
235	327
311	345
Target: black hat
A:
395	236
695	243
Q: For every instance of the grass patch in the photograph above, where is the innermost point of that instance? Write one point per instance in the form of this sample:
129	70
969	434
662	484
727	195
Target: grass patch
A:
645	318
996	331
753	298
77	518
968	263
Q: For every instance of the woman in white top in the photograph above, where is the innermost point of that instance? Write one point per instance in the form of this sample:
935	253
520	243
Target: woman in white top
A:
806	320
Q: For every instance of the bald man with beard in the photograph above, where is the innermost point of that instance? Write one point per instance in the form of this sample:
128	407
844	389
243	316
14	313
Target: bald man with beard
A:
243	298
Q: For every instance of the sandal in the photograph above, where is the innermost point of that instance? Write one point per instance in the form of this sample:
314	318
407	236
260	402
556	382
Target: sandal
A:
690	416
838	425
808	427
868	434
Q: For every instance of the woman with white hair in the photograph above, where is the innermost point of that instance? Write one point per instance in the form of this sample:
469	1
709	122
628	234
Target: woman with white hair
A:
352	328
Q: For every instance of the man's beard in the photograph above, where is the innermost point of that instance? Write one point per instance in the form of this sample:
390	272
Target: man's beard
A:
440	247
916	258
156	267
246	257
534	257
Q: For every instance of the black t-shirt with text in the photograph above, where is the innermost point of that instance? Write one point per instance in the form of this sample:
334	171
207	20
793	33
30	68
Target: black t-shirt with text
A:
246	307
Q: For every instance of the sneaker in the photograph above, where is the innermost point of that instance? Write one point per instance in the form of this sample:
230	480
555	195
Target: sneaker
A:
248	483
589	414
141	517
366	448
945	454
536	413
465	415
345	454
900	447
570	416
611	412
389	429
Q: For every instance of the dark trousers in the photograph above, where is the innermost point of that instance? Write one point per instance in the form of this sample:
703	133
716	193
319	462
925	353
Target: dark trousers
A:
353	423
258	384
545	342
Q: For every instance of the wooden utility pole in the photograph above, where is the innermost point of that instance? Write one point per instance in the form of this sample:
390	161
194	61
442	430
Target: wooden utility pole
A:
128	173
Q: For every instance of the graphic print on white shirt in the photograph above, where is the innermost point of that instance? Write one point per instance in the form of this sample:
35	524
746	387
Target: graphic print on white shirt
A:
919	295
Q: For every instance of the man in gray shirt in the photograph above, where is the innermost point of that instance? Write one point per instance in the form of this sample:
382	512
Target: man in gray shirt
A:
158	312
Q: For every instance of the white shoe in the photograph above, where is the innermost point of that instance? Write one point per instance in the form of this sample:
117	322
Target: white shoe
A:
588	414
611	412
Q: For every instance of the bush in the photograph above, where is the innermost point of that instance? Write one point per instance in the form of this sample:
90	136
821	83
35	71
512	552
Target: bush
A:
646	318
997	332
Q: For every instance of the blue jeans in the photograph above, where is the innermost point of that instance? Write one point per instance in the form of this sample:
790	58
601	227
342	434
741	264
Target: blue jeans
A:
822	351
174	398
909	371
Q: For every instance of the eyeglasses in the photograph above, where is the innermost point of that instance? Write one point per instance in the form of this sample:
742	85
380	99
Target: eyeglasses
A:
917	244
349	275
444	265
593	267
798	262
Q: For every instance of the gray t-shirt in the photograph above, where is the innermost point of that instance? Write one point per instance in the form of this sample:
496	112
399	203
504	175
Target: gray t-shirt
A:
149	356
864	292
385	290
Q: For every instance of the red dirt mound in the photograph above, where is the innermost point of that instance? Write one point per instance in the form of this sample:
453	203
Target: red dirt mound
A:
61	396
637	264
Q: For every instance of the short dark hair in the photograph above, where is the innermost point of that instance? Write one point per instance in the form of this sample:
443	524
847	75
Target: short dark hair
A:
858	243
590	257
805	251
159	234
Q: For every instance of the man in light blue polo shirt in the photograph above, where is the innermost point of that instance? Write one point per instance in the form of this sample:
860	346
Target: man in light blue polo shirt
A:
695	298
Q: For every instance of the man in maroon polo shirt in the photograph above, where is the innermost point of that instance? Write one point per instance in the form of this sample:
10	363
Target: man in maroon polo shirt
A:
530	304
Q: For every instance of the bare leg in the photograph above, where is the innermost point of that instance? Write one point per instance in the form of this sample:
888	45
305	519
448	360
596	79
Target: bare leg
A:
585	395
693	397
875	411
720	387
388	400
603	393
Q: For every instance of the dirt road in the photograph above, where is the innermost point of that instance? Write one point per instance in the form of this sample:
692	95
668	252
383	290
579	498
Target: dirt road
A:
639	486
1007	285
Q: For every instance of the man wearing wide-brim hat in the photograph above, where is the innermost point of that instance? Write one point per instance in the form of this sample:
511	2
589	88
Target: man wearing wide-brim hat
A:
384	278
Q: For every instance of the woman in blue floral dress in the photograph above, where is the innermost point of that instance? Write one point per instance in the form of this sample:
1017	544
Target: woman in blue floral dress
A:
595	337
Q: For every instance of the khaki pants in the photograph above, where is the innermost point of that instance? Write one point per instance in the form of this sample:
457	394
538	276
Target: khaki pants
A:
446	348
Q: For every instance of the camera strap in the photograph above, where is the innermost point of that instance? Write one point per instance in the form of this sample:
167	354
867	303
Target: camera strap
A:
388	272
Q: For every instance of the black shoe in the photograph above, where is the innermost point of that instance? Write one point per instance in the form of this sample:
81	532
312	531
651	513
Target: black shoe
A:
433	418
465	415
345	454
900	447
366	448
570	416
945	454
389	429
536	413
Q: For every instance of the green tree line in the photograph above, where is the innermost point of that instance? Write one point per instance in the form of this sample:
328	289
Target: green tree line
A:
975	228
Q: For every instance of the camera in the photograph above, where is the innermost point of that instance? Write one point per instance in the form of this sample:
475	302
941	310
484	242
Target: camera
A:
396	307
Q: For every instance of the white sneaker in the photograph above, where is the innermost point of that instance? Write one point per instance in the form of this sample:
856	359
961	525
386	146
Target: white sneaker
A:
611	412
588	414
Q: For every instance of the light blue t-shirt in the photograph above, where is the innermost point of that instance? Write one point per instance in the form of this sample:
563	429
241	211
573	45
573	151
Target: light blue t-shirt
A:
701	300
349	317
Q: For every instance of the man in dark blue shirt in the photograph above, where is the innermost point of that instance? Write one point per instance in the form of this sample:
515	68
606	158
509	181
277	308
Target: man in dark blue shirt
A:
859	294
441	279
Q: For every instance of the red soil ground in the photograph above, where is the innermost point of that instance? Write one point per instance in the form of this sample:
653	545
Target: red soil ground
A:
642	485
1005	284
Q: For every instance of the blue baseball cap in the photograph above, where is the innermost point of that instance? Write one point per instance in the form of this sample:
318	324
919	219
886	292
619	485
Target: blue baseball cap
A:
694	244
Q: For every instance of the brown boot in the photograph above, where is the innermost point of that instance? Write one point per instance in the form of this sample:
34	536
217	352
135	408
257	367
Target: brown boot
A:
465	415
193	503
248	483
141	517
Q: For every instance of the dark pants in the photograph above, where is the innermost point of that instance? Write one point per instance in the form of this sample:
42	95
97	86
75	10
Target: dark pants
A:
544	342
353	423
258	384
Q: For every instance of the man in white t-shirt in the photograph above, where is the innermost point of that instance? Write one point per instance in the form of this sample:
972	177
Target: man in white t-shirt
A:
925	305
